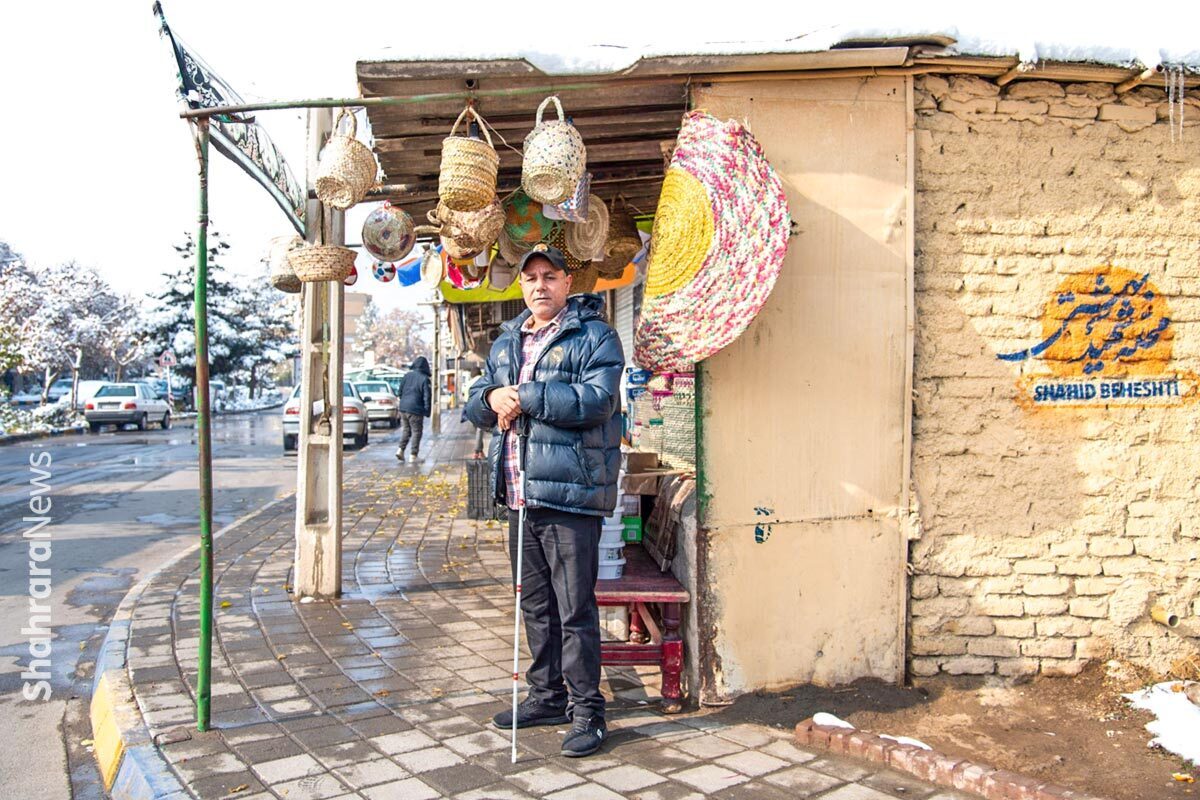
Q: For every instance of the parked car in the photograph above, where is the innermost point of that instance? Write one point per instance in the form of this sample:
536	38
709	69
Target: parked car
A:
382	403
354	418
59	389
87	390
126	404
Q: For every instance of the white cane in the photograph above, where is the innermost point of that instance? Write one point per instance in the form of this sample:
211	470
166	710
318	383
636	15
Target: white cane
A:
521	442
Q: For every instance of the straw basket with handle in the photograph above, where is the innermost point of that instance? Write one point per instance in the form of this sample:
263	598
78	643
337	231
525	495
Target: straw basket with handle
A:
346	169
466	234
322	262
555	157
283	277
467	178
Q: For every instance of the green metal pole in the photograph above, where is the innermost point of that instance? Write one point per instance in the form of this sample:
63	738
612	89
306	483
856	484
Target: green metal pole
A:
204	439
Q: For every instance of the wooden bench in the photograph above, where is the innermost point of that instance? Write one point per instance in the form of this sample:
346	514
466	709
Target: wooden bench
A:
643	588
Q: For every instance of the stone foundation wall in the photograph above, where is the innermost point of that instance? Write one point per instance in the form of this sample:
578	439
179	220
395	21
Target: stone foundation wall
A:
1049	529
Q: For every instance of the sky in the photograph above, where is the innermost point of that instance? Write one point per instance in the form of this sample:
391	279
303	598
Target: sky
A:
96	166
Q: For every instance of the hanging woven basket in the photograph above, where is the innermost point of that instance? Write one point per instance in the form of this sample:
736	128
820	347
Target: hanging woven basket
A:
554	157
322	262
347	168
584	280
623	242
466	234
467	179
283	277
586	240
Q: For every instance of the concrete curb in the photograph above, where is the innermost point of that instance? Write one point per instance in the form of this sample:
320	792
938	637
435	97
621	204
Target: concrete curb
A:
932	766
129	761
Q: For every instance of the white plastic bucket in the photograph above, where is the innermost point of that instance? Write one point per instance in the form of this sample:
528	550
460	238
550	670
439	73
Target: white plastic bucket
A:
611	570
611	539
611	553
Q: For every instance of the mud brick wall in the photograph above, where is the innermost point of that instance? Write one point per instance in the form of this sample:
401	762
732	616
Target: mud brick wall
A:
1047	533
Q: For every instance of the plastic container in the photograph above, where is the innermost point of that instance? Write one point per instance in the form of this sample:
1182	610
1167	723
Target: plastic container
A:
630	505
612	537
611	570
611	553
632	529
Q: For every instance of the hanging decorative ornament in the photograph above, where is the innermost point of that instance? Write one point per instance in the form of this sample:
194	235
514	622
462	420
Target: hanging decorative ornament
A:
388	233
384	272
720	237
352	278
464	273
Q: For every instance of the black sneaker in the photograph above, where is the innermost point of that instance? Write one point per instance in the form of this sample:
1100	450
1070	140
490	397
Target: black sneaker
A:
530	712
585	737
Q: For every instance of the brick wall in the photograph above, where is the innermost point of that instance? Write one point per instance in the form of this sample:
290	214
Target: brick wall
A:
1047	533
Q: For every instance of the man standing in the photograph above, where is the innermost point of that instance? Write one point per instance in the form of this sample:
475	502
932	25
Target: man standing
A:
551	384
415	405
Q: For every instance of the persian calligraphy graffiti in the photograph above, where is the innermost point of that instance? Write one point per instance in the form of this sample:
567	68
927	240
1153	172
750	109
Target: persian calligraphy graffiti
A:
1106	340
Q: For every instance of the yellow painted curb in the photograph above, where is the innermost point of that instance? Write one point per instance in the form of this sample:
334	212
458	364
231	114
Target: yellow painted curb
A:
106	739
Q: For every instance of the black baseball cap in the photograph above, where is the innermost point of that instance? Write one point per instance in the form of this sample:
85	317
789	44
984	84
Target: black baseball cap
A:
551	254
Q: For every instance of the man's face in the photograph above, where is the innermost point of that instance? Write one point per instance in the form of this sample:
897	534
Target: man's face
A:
544	287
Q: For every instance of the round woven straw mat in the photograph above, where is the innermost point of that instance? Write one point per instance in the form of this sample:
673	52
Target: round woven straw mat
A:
683	233
586	239
524	221
432	269
750	226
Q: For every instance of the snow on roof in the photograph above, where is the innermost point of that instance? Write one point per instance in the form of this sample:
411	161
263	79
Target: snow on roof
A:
1163	36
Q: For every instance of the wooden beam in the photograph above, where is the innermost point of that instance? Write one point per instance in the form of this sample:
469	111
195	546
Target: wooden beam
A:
1138	79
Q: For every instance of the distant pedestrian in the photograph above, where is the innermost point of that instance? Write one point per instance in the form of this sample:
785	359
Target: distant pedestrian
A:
416	403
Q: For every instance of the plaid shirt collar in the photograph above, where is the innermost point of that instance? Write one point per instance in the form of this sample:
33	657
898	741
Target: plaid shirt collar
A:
527	326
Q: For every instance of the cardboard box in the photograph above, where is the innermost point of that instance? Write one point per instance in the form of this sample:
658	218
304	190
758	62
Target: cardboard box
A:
640	462
641	483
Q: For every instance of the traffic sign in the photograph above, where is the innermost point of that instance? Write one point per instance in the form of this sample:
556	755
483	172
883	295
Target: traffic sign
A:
167	359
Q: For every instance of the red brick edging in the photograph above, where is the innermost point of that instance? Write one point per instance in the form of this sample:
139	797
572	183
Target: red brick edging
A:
932	766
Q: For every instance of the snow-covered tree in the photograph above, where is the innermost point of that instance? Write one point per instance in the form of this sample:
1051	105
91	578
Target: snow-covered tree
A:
124	339
267	334
171	323
394	336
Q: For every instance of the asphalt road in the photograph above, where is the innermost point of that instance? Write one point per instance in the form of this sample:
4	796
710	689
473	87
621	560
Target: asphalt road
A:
119	504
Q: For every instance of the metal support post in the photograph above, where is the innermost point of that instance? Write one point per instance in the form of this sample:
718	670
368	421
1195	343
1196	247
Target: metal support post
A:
203	438
436	421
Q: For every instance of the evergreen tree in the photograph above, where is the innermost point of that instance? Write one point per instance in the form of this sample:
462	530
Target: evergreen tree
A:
171	324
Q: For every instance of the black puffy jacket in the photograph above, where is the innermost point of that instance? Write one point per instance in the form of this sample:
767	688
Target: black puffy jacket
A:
573	408
415	390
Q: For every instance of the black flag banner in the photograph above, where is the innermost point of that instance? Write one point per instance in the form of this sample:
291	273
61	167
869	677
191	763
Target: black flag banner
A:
245	143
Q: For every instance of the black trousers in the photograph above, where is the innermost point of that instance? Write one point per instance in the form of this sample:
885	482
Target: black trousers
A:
558	607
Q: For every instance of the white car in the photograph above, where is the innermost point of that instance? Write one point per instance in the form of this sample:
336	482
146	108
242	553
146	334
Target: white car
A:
126	404
354	418
382	404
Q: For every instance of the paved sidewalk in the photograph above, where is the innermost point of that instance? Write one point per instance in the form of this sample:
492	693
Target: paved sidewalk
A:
388	692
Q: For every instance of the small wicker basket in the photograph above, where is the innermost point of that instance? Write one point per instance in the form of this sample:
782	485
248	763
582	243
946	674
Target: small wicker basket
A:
283	277
623	242
322	262
347	167
467	179
555	157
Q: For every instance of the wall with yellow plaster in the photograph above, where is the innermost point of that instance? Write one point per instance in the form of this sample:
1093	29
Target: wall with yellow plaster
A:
1059	490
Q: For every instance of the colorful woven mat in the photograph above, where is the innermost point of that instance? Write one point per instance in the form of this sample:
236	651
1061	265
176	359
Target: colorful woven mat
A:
710	273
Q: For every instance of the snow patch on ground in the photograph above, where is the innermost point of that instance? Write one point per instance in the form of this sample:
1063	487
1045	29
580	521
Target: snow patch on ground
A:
1176	727
830	721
